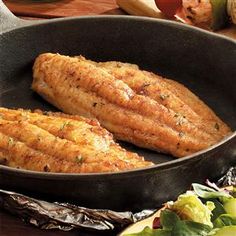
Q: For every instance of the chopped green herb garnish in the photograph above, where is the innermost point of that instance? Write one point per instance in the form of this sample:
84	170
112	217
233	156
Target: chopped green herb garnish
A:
64	125
46	168
10	141
180	121
217	127
145	85
79	159
164	96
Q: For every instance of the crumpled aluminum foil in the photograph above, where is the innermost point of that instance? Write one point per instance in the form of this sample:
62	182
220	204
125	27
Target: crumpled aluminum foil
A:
64	216
229	179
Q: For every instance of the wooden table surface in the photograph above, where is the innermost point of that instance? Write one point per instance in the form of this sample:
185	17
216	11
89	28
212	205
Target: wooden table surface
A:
34	9
62	8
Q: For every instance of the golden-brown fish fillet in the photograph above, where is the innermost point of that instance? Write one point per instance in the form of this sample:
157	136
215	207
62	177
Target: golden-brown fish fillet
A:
136	106
60	143
169	93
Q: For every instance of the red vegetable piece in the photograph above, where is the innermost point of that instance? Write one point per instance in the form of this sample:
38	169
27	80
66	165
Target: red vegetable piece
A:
169	7
156	224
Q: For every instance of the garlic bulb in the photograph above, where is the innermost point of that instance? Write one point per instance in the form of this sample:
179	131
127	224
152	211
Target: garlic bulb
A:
231	9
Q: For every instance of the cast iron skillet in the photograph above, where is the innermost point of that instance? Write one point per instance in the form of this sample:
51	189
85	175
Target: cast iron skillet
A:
203	61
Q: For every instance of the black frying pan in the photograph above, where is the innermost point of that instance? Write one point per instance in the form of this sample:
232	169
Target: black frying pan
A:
204	62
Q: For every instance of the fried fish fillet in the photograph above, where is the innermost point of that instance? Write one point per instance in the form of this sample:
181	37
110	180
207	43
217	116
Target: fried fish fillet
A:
136	106
60	143
169	93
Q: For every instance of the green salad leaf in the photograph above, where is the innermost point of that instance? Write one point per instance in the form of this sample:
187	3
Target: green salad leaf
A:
224	220
234	192
202	212
171	221
224	231
189	207
174	226
208	193
218	210
168	219
230	207
219	14
190	228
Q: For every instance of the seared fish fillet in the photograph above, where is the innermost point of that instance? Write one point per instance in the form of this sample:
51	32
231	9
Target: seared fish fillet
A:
136	106
60	143
169	93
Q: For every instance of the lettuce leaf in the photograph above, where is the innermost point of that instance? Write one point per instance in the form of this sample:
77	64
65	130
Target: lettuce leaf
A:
174	226
168	219
189	207
208	193
190	228
224	220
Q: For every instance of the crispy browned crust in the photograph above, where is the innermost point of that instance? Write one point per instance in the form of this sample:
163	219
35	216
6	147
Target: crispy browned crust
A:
136	106
57	142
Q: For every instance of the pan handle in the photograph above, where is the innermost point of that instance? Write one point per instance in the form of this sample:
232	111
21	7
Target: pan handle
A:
8	21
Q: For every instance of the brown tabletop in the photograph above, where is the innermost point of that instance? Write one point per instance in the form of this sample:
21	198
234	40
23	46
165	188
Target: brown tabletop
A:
62	8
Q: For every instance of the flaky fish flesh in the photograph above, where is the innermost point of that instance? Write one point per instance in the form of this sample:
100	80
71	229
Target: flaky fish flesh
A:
56	142
136	106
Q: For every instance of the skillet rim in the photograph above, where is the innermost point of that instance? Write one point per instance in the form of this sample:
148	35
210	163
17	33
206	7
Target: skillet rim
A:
166	165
